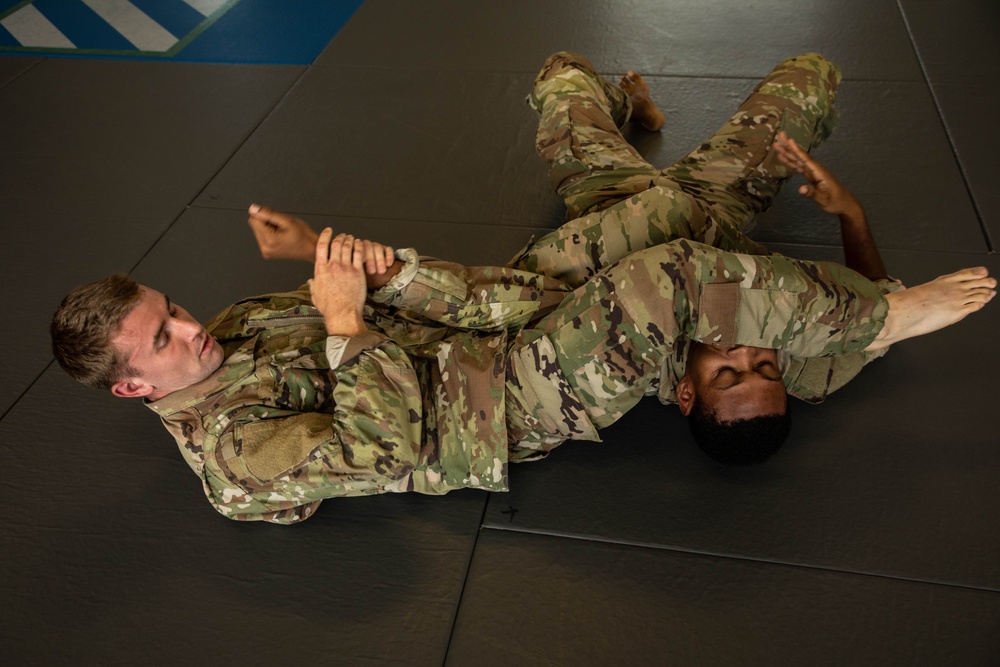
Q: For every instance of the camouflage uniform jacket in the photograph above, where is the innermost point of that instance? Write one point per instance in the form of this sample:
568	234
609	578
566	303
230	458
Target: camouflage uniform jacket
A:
415	404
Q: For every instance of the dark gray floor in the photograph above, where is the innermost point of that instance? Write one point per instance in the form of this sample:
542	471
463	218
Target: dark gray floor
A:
871	539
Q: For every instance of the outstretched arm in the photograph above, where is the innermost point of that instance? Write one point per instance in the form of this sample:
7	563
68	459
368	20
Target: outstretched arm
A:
283	236
860	252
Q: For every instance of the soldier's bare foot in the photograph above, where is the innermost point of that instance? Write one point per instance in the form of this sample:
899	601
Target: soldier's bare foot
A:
644	110
919	310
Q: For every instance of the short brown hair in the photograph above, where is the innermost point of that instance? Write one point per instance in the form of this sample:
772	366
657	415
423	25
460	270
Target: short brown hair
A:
82	329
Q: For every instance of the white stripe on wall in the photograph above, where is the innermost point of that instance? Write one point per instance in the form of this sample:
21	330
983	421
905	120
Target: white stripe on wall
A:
133	24
206	7
30	27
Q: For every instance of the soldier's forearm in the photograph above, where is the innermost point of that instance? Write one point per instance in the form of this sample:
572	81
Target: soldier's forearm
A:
380	280
860	252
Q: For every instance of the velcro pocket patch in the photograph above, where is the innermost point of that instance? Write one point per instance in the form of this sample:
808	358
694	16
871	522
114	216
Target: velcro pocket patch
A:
272	447
718	305
729	314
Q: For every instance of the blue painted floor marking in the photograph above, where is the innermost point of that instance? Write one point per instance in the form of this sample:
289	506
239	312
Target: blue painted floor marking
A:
242	31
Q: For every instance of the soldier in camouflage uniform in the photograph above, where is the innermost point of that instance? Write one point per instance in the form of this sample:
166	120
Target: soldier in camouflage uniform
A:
618	203
439	375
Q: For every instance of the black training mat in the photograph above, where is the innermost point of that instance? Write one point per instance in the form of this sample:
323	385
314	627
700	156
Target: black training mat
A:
677	37
870	539
599	603
99	159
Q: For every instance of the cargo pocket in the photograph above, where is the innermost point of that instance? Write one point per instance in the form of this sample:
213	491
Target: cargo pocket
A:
729	314
552	409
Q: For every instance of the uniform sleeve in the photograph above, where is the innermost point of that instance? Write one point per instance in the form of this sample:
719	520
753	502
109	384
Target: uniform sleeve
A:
279	467
807	309
488	299
812	379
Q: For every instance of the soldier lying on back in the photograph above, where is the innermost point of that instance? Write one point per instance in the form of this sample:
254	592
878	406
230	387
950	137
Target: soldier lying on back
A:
394	372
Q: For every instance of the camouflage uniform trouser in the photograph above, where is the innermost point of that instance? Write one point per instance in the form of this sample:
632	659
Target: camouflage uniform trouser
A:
585	364
617	203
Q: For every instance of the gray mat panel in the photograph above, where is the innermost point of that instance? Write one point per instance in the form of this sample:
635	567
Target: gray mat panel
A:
459	147
115	556
970	115
106	155
895	474
13	66
958	44
434	147
956	40
534	600
681	37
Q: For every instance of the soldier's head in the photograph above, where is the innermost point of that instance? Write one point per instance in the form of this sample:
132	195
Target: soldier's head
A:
117	335
735	401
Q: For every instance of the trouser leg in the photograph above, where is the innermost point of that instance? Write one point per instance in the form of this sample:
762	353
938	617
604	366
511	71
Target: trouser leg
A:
590	164
735	173
581	248
707	196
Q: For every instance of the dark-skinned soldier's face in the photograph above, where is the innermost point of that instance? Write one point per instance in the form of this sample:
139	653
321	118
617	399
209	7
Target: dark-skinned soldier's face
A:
733	382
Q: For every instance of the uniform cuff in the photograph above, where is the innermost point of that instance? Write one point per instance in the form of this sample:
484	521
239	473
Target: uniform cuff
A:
342	349
889	285
398	282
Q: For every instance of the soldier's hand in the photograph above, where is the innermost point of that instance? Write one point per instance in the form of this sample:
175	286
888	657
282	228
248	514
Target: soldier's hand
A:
281	236
377	257
338	284
822	187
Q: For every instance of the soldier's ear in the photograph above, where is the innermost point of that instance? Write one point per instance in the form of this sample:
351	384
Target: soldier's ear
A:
131	388
685	395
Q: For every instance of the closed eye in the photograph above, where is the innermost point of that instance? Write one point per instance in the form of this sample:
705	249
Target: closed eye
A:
162	337
726	369
757	369
768	364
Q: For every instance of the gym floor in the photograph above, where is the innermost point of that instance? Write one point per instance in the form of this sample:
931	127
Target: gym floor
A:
870	539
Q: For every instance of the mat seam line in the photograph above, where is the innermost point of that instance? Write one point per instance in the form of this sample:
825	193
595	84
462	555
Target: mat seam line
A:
714	554
991	249
152	246
465	582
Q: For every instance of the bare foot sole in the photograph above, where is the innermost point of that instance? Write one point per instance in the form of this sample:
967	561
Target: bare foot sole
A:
919	310
644	110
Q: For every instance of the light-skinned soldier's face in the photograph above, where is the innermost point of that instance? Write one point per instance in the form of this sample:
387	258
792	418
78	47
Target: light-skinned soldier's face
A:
167	347
737	382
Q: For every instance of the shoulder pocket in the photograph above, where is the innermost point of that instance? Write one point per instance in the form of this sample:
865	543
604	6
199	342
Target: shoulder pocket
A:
729	314
718	304
273	447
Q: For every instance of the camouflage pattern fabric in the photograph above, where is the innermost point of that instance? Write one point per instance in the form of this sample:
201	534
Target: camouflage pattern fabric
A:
584	365
620	204
415	404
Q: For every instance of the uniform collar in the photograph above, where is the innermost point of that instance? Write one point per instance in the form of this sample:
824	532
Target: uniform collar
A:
236	367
